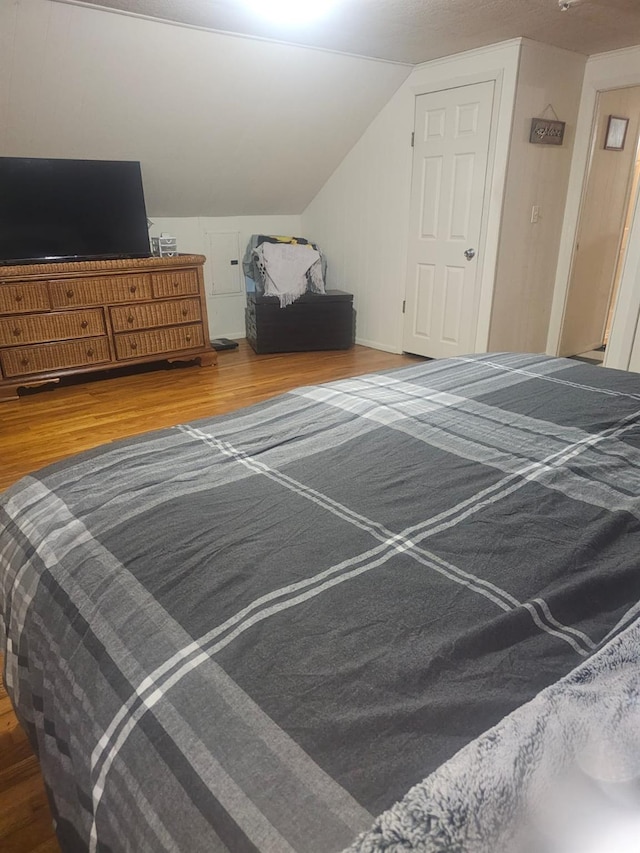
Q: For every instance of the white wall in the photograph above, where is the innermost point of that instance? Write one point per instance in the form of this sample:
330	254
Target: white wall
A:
226	313
604	71
223	125
537	175
360	216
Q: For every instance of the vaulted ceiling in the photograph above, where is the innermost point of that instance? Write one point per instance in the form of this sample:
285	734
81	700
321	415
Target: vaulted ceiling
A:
416	30
222	126
243	124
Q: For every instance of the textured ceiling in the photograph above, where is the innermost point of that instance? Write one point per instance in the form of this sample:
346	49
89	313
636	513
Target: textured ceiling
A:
415	31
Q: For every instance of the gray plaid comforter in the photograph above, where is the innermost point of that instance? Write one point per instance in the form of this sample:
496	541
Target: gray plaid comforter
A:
257	632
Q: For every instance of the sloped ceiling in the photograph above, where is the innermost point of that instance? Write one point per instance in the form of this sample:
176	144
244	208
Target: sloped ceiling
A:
417	30
244	124
222	125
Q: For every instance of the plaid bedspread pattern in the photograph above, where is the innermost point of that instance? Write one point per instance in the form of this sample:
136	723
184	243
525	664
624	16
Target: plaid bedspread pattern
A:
258	631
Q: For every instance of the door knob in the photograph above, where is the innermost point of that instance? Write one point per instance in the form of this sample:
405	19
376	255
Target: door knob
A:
470	254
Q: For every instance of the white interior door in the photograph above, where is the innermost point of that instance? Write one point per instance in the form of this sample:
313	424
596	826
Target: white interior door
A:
451	148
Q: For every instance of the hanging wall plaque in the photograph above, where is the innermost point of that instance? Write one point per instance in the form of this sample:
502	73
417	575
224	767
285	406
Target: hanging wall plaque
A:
544	131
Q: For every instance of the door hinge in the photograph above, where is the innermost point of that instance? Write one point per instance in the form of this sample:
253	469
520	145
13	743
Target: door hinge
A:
404	305
413	138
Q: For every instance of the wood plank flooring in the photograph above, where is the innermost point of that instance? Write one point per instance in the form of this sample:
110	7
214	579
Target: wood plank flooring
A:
47	425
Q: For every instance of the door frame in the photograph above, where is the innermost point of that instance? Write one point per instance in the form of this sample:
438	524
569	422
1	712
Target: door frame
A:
603	73
627	308
499	137
483	213
594	143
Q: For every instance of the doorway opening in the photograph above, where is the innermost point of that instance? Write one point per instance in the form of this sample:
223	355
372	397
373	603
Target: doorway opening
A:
606	214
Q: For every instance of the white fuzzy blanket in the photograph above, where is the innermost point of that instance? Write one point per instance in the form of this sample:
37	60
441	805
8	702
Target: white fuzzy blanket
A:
559	775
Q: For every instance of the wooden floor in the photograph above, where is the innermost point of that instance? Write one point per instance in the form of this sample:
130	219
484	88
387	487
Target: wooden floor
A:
47	425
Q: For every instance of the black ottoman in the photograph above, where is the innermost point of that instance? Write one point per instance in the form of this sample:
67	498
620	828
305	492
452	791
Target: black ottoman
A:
315	321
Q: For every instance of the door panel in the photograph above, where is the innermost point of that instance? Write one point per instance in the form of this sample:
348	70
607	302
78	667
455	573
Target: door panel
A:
461	190
452	132
424	296
467	119
431	186
453	304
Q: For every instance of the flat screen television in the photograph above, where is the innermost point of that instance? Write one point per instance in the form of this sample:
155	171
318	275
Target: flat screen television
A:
61	210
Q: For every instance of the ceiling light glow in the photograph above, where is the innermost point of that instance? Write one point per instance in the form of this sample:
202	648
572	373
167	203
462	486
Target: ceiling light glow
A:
290	12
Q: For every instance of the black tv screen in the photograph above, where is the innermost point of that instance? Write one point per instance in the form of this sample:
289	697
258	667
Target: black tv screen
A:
57	210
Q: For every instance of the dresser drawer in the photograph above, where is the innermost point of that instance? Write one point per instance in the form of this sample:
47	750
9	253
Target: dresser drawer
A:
35	328
150	315
98	291
18	298
70	317
179	283
21	361
141	344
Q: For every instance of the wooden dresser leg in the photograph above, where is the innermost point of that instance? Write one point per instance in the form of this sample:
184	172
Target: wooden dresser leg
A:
9	392
208	359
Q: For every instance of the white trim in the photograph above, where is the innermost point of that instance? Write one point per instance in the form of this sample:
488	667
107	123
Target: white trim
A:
497	166
607	56
233	336
465	54
627	311
363	342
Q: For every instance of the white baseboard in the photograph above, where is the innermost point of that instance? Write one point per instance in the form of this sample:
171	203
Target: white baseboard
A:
377	345
233	336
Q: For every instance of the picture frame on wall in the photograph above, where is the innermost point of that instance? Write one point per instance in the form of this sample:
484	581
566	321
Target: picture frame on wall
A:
616	133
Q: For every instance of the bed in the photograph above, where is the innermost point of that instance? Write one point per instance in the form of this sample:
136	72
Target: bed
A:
377	614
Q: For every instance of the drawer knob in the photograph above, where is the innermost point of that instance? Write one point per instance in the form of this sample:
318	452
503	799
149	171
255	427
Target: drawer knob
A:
184	312
84	324
70	293
17	332
188	338
176	283
18	297
133	288
130	318
89	352
134	345
24	362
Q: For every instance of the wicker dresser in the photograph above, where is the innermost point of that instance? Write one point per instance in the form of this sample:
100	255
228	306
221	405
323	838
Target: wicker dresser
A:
65	318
